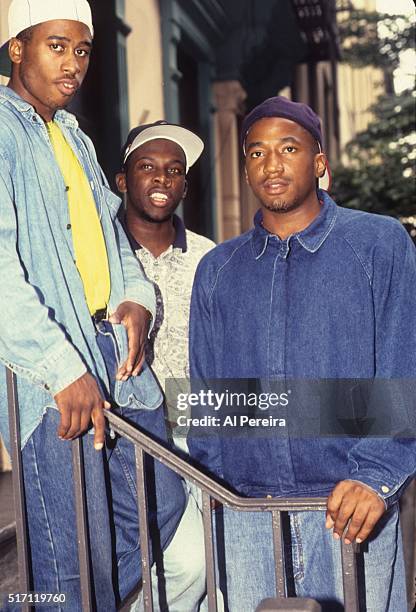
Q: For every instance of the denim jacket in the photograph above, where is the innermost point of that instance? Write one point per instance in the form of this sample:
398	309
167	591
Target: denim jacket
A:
334	301
46	332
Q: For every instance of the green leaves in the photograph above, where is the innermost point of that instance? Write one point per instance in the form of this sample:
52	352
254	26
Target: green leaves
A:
375	39
381	177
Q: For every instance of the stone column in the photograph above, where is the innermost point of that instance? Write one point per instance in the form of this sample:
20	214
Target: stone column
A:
229	97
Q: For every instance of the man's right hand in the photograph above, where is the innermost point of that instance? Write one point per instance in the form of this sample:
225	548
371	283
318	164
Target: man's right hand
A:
80	403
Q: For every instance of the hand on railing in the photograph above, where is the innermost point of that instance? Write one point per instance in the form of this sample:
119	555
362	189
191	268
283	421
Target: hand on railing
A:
357	503
79	404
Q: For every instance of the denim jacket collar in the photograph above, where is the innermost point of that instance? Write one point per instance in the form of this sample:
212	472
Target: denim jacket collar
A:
61	116
311	238
41	279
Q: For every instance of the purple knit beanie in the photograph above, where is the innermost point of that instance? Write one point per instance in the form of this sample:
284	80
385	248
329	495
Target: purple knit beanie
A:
278	106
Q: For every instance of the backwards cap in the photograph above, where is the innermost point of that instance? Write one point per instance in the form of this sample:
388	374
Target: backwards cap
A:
24	14
189	142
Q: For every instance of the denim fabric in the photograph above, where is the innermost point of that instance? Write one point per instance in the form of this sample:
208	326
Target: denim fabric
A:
111	503
178	575
181	570
166	501
246	562
46	333
135	392
335	301
195	497
113	533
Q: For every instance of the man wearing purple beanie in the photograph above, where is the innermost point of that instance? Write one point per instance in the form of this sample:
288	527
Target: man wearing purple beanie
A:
319	300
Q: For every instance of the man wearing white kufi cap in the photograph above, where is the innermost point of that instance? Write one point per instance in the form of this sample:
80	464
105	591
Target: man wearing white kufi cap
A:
76	310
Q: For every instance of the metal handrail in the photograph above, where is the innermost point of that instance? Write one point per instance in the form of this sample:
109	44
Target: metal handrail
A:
211	489
208	484
18	489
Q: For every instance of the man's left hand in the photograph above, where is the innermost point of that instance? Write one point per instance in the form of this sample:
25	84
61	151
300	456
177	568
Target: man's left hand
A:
136	320
354	502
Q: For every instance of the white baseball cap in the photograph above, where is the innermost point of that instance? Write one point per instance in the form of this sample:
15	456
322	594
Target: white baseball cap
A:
189	142
26	13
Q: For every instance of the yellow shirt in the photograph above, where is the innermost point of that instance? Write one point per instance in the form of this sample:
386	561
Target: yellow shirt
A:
87	234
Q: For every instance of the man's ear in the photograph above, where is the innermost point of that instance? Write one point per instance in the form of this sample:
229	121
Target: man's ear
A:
121	182
185	189
320	165
16	50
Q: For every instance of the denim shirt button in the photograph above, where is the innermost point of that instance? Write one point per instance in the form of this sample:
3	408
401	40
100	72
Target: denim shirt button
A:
47	387
68	227
385	489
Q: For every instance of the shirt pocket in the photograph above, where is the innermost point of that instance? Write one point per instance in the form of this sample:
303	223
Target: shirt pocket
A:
138	392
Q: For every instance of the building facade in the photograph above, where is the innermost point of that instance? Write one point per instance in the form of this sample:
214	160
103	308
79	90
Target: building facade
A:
204	63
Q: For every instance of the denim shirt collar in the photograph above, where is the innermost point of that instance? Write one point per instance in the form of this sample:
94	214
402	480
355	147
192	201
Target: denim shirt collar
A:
311	238
61	116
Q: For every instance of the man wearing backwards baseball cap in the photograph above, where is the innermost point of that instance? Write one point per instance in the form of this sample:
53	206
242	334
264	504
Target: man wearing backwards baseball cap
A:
312	292
154	163
65	263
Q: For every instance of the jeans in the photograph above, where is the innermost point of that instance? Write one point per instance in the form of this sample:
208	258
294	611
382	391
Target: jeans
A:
113	527
112	511
195	497
182	567
246	563
178	576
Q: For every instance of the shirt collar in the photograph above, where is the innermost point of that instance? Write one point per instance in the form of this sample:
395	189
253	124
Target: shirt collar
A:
62	116
311	238
180	234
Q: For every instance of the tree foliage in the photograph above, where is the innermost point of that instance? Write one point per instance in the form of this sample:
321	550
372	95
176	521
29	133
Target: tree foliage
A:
381	174
369	38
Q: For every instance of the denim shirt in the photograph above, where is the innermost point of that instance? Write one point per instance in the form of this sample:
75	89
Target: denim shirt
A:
46	332
334	301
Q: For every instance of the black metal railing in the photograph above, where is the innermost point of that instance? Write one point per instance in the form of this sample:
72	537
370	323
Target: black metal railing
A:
210	490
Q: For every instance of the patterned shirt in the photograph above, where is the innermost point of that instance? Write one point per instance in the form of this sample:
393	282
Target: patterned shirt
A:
172	273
